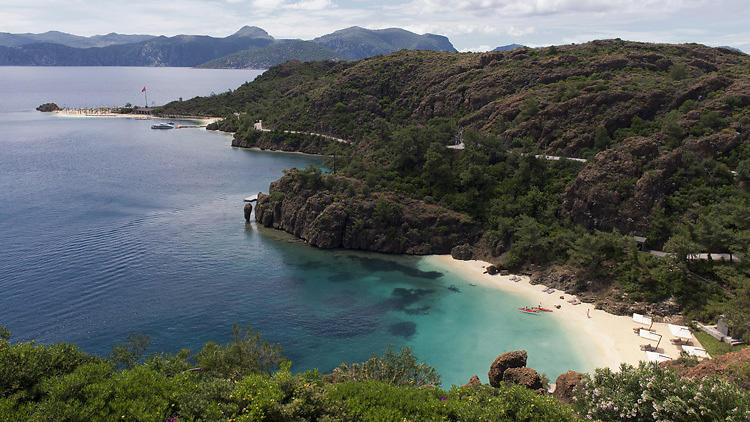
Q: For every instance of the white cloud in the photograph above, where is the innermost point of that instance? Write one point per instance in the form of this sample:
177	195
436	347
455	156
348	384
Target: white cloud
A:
310	5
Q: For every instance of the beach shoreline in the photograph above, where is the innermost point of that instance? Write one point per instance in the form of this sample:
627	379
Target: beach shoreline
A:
105	114
605	340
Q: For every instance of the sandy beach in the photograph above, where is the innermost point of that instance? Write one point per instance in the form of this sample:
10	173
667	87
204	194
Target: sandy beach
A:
606	340
102	113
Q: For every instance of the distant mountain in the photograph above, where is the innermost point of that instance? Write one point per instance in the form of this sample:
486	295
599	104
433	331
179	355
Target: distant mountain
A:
509	47
276	53
180	50
69	40
251	32
357	43
250	47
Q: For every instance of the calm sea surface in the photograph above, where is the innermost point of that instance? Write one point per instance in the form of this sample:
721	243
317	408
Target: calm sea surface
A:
108	228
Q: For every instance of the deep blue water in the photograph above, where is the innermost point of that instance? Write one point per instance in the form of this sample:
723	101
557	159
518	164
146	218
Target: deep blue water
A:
109	228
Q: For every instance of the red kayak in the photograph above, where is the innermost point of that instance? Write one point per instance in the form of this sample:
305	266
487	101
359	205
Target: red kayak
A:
542	309
529	310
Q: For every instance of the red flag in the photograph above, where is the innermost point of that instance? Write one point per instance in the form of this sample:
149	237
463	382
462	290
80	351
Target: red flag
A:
144	89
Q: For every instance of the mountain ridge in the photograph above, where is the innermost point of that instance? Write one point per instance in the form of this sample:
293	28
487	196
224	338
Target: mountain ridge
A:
250	46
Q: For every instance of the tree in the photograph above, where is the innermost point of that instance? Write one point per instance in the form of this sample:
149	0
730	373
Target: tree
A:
395	368
682	246
248	354
128	353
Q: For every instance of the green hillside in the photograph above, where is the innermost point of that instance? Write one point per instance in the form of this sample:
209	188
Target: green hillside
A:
665	129
276	53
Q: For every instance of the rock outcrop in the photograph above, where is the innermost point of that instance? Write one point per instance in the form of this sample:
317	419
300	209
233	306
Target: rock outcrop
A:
566	385
473	381
248	211
48	107
335	212
526	377
514	359
462	252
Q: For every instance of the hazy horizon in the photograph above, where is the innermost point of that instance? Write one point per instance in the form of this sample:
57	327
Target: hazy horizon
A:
471	25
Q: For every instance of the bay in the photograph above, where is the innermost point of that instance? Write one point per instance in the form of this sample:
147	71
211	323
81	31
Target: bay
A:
109	228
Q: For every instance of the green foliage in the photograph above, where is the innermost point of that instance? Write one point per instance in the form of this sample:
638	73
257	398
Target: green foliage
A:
247	354
395	368
651	393
678	72
715	347
130	352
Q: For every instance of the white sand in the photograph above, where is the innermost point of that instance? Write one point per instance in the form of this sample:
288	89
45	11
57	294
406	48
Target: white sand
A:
605	340
99	113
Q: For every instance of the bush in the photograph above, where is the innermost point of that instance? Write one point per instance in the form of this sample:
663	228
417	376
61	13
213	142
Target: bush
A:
396	368
651	393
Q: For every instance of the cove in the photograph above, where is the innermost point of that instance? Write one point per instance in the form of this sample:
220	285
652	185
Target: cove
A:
109	228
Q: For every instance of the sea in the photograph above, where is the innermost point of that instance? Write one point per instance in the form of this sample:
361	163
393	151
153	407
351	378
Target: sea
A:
109	228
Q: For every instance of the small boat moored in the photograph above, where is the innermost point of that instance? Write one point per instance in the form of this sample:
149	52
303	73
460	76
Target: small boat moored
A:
529	310
169	125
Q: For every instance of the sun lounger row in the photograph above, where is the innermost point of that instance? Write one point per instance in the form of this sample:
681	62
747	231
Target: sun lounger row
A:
656	357
641	319
695	351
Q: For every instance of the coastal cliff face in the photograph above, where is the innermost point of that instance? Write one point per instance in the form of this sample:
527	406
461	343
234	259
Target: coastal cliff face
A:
335	212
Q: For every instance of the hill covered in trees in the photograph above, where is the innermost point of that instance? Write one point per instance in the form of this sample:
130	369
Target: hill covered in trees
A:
665	130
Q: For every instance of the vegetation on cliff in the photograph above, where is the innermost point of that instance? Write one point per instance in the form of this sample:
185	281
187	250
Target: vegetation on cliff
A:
665	130
248	380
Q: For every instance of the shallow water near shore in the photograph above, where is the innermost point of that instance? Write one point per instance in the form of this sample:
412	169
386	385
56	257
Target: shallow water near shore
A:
109	228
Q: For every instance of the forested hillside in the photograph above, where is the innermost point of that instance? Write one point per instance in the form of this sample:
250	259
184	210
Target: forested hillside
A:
665	130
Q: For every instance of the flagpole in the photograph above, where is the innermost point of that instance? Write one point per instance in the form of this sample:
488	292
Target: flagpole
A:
145	94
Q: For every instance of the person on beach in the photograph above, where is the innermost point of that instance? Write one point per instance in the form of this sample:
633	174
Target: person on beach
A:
588	315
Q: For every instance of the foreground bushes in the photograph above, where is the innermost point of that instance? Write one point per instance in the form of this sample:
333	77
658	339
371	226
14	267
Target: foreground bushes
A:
248	380
651	393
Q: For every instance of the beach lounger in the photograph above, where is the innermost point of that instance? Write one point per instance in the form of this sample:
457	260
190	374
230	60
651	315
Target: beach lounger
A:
648	348
695	351
640	319
649	335
656	357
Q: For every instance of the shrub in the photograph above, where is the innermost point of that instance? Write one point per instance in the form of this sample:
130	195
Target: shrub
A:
248	354
396	368
651	393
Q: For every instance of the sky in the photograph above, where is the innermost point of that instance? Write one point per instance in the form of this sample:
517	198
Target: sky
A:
472	25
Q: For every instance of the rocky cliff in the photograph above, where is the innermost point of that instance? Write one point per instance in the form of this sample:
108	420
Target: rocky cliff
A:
335	212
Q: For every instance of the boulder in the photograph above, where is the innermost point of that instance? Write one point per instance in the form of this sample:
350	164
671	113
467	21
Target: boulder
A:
514	359
491	270
565	386
248	211
473	381
48	107
526	377
462	252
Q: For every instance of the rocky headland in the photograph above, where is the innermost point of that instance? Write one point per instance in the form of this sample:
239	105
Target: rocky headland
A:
335	212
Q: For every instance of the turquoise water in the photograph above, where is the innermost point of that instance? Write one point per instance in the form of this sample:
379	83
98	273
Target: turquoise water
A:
109	228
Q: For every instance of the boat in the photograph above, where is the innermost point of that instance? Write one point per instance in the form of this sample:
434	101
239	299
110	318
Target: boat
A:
539	308
529	310
169	125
